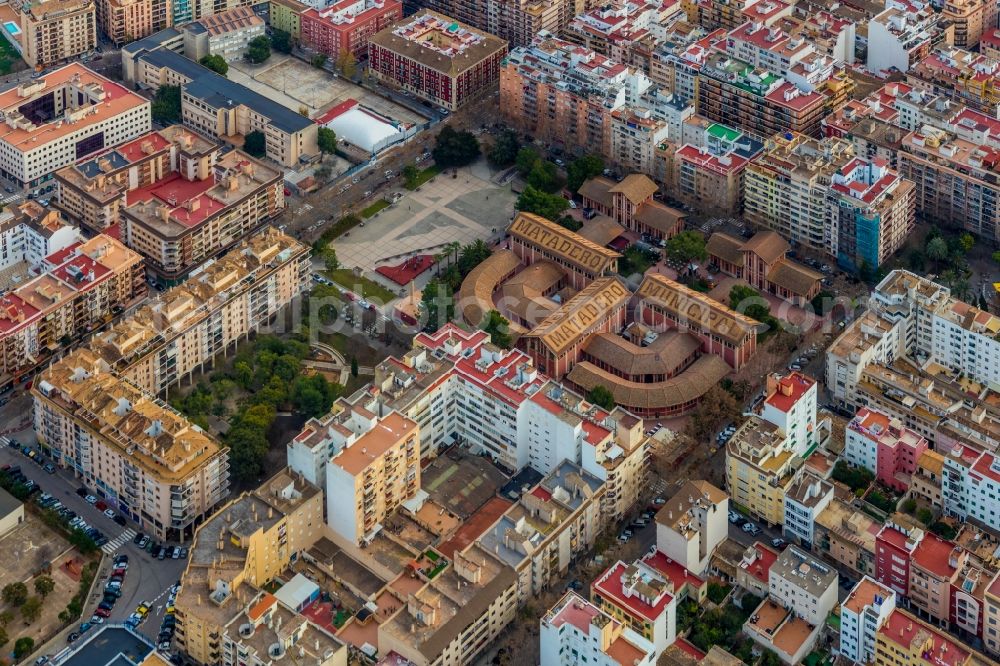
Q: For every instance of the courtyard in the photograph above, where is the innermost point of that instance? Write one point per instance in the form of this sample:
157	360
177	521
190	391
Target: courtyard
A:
297	85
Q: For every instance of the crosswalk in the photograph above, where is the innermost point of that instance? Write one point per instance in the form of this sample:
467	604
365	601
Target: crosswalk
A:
12	197
113	545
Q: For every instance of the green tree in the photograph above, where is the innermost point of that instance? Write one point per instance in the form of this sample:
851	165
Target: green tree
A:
15	594
347	64
166	105
31	609
259	49
216	63
44	585
281	40
925	515
410	175
6	617
505	148
23	646
570	223
526	160
715	409
354	367
602	397
438	304
327	140
545	176
549	206
4	638
744	298
499	329
582	169
909	506
687	246
255	144
937	249
319	60
966	241
330	260
323	173
455	148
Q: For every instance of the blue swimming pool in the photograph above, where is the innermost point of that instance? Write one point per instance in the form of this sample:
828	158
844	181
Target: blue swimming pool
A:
12	27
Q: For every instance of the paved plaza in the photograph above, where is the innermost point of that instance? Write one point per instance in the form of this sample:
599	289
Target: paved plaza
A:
448	209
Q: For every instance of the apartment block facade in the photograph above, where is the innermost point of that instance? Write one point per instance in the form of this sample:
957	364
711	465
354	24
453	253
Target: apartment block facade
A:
462	64
347	25
125	21
57	31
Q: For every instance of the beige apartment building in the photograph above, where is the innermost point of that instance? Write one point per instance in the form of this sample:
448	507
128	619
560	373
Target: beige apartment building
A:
93	192
970	18
368	479
183	329
239	549
149	462
55	31
183	223
124	21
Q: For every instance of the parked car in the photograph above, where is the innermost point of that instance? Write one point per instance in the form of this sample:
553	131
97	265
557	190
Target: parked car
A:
50	468
109	513
778	542
120	520
90	499
734	517
751	529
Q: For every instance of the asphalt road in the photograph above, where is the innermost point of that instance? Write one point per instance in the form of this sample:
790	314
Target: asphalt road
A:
146	579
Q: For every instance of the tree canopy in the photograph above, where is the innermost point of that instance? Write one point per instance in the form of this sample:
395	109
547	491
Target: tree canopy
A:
255	144
549	206
499	329
216	63
259	49
281	40
687	246
166	105
455	148
602	397
347	64
327	140
505	148
582	169
438	304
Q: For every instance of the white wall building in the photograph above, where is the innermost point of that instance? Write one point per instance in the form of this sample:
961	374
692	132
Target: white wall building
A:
23	238
897	33
791	405
970	485
803	585
808	496
576	632
862	614
691	525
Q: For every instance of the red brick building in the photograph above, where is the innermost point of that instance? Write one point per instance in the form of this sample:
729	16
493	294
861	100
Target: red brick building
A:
893	552
437	58
348	24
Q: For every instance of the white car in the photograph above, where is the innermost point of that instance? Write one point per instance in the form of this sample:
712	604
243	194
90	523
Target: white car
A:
750	528
90	499
109	513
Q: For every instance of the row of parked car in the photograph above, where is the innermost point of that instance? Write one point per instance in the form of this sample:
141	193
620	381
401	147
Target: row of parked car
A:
113	589
158	551
644	519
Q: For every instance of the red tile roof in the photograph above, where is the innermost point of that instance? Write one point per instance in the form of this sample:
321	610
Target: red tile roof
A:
609	586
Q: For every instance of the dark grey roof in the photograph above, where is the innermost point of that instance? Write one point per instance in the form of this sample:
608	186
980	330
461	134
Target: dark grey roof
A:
151	42
195	28
110	646
219	92
92	168
8	503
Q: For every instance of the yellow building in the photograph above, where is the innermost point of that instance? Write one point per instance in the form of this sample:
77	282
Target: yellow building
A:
991	619
286	15
903	640
245	545
148	461
55	31
759	469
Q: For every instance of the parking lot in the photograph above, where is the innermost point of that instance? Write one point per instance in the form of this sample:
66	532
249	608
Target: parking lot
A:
147	579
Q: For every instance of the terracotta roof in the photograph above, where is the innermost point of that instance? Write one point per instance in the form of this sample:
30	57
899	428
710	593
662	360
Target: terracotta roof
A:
636	187
768	245
567	245
476	293
673	514
662	218
794	277
696	309
690	385
663	356
599	190
601	230
932	461
725	247
572	321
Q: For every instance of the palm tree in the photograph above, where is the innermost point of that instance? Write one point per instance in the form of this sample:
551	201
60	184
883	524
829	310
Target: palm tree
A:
453	248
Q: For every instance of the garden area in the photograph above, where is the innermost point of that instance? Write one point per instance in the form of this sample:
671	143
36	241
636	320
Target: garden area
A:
10	59
242	398
722	626
353	282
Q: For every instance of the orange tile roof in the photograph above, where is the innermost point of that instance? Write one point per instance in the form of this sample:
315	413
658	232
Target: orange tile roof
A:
261	607
388	432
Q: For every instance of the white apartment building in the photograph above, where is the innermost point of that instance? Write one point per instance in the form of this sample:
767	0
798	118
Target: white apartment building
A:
803	585
691	525
791	405
900	34
807	497
89	113
862	614
641	595
970	485
27	238
323	438
576	632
